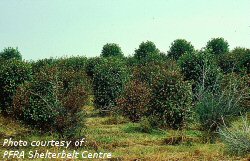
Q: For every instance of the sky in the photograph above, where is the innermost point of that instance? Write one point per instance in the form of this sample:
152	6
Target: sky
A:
54	28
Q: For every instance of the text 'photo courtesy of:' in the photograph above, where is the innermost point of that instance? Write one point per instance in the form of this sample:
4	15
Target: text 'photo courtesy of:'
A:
124	80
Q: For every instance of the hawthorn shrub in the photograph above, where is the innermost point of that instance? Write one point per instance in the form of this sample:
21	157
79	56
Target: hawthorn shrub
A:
246	61
180	47
147	53
171	101
229	63
152	71
200	67
53	101
90	66
12	74
111	49
146	48
149	73
237	60
218	46
154	57
10	53
110	76
43	63
76	63
133	103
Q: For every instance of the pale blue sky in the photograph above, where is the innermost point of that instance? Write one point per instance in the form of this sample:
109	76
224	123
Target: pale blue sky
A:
45	28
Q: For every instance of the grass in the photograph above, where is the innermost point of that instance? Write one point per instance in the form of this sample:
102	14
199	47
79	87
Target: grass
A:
126	141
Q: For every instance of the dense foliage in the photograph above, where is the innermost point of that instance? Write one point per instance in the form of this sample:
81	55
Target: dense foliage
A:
145	49
52	101
180	47
90	66
205	88
149	73
237	60
111	49
13	73
135	100
110	76
218	46
171	101
200	67
72	63
43	63
10	53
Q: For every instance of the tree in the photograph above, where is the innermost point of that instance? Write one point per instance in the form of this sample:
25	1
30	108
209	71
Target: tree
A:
111	49
145	49
109	78
218	46
10	53
52	101
170	105
12	74
201	67
179	47
235	61
134	101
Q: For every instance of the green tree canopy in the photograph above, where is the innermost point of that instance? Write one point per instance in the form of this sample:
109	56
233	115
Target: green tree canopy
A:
145	49
111	49
218	46
10	53
179	47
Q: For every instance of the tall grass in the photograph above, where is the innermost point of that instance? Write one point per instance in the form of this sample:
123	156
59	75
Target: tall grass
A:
237	138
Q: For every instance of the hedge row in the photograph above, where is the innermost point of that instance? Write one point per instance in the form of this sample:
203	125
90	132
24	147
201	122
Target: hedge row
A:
48	94
52	101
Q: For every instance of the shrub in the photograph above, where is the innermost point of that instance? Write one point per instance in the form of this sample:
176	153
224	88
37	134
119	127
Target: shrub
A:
153	58
229	63
10	53
218	46
12	74
145	48
171	101
238	86
90	66
180	47
246	61
76	63
218	108
110	76
43	63
151	72
145	125
237	61
200	67
111	49
237	138
52	101
134	101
